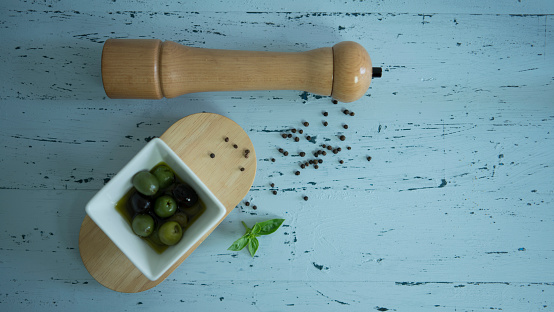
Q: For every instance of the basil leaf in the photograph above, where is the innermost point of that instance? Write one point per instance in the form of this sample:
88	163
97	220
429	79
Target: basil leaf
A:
240	243
256	229
269	226
253	245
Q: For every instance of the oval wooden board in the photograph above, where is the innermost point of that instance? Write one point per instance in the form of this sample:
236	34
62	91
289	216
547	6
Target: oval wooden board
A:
193	138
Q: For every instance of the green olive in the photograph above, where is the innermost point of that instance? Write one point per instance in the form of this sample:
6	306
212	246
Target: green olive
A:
181	218
164	175
165	206
170	233
146	183
143	225
155	238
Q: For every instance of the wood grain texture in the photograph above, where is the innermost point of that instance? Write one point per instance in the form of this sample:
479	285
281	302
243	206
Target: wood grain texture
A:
229	177
454	212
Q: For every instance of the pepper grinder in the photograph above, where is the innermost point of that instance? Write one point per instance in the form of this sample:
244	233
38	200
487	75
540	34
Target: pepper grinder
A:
152	69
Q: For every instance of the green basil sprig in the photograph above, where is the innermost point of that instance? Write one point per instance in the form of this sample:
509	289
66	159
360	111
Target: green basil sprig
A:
249	238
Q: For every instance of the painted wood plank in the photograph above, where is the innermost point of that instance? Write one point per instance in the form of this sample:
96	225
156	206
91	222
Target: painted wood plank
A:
378	6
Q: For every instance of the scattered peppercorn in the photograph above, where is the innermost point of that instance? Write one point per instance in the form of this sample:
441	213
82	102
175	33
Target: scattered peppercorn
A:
212	155
306	198
346	112
296	139
300	131
226	139
286	153
342	138
235	146
289	136
302	166
293	130
345	126
339	149
247	151
297	173
348	148
368	158
272	159
247	203
323	145
341	161
335	151
284	135
302	154
308	138
281	150
316	166
272	185
325	123
320	161
306	123
351	113
325	114
335	102
274	192
254	207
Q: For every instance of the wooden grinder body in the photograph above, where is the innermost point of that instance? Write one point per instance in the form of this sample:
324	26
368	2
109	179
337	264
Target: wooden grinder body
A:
152	69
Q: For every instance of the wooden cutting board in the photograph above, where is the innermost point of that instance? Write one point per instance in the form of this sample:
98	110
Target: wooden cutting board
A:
189	138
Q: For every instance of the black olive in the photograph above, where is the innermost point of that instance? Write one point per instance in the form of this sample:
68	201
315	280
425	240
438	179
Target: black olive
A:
140	203
185	195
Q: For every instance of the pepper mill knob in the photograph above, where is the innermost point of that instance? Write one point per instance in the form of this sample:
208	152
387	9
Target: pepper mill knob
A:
152	69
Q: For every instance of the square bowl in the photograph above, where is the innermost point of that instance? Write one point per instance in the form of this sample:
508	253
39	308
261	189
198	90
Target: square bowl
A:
101	209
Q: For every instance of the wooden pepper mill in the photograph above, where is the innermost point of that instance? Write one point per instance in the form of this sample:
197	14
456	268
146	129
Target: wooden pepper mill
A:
152	69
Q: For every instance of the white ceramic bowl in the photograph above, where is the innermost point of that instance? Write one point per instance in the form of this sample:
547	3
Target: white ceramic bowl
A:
101	209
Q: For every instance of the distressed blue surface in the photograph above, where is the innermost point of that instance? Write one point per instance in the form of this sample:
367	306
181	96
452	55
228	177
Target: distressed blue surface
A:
454	212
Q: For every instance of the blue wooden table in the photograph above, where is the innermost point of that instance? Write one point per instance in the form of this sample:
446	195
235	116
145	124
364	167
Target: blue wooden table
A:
454	212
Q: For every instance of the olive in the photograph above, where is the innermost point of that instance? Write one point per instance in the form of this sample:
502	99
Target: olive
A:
165	206
164	175
146	183
192	210
155	238
143	225
140	203
185	195
181	218
170	233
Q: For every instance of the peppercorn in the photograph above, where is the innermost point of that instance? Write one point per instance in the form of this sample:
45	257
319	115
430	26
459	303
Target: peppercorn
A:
342	138
306	123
